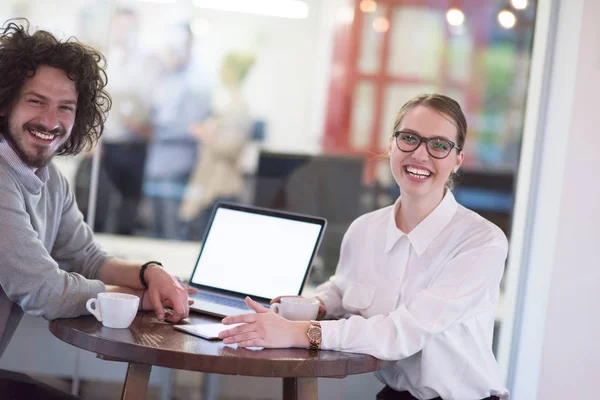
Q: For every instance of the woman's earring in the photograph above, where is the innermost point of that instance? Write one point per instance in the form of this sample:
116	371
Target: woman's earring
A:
456	170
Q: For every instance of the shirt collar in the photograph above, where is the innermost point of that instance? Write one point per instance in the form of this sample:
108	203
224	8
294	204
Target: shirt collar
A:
393	233
32	181
424	233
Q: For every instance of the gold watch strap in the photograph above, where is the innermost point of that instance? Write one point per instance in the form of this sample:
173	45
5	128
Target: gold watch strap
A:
314	344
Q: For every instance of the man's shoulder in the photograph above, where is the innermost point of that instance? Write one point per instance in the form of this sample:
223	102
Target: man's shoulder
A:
7	175
55	176
54	171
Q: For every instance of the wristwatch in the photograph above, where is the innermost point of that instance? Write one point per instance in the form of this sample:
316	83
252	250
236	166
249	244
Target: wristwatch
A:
314	335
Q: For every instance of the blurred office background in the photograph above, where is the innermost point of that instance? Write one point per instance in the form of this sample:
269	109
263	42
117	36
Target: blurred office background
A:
286	104
290	102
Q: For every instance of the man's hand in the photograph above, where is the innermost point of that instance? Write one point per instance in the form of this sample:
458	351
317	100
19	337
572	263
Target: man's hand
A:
188	288
164	289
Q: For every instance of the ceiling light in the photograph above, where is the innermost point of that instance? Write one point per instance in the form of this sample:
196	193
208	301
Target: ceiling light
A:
507	19
381	24
368	6
159	1
519	4
455	17
273	8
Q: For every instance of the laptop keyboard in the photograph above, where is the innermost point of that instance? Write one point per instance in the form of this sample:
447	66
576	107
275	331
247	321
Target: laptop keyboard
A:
226	301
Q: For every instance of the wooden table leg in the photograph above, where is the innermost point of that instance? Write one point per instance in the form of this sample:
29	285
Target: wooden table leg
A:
136	382
300	389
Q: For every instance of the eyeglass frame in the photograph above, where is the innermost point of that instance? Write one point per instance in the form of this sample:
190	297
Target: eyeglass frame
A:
425	140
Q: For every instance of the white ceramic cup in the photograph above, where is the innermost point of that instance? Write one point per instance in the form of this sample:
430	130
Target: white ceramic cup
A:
114	310
297	308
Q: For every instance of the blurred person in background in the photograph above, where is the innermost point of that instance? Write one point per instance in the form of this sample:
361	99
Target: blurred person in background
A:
127	127
417	282
179	102
217	175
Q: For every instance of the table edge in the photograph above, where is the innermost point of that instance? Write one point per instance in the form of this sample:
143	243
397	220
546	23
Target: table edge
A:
285	368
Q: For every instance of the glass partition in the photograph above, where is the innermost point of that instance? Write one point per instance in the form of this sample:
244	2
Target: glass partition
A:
287	108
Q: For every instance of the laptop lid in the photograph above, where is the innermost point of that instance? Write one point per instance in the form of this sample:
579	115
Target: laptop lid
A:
257	252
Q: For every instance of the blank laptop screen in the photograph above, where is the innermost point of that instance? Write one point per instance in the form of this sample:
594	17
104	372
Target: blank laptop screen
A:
256	254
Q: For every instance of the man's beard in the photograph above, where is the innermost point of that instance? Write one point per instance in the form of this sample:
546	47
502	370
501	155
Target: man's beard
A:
37	160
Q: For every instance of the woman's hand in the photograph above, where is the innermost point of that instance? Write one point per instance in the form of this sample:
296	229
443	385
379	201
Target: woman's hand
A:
264	329
322	309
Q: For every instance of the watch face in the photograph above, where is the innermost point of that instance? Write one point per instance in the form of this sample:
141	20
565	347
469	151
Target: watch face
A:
314	333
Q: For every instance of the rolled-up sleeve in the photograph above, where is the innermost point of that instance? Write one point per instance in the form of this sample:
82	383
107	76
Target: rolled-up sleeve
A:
30	276
467	286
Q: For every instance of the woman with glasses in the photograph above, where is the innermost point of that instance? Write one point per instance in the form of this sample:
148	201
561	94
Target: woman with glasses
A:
417	282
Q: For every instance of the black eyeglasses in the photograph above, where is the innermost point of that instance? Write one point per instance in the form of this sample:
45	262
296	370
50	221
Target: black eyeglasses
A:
439	148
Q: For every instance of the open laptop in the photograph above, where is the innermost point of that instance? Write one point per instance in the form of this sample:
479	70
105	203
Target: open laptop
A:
256	252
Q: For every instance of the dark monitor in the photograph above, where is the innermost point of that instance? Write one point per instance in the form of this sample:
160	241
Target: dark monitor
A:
489	193
485	191
328	186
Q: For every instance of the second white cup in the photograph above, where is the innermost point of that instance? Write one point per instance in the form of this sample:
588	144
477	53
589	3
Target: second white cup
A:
114	310
297	308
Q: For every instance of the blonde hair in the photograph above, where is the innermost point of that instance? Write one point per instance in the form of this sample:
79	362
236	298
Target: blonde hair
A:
442	104
239	64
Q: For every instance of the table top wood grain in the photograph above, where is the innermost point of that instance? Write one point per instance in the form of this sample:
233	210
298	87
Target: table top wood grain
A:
149	341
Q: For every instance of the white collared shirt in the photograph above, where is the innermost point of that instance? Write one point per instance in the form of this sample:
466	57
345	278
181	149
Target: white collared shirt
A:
426	299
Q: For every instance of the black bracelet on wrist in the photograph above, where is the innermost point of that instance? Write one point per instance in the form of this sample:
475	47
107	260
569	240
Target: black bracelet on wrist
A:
143	269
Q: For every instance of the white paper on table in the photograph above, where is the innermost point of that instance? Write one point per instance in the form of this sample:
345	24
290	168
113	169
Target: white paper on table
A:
207	331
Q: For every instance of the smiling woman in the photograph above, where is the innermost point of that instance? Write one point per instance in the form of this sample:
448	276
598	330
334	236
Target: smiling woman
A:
420	279
423	172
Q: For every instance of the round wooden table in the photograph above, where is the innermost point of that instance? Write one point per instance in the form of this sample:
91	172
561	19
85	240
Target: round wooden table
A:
149	342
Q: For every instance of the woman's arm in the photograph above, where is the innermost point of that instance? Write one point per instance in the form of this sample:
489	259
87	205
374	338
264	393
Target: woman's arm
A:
467	286
330	296
329	293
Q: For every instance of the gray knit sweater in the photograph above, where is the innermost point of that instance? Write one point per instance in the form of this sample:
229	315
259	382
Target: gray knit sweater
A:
48	257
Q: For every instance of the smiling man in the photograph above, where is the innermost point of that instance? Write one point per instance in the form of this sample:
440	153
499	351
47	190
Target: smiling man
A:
42	117
52	101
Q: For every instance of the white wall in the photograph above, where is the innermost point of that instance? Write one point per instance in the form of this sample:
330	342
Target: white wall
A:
556	351
571	349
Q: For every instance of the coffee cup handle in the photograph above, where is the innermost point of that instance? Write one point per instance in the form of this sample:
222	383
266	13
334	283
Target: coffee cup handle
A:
275	308
95	311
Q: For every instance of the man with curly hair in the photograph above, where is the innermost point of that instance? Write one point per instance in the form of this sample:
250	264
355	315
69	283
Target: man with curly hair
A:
53	101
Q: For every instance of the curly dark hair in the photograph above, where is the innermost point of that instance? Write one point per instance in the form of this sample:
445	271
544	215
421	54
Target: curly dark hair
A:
21	53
